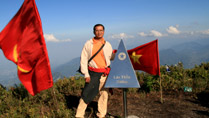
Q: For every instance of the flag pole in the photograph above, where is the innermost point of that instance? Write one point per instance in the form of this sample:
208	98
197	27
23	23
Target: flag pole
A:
161	91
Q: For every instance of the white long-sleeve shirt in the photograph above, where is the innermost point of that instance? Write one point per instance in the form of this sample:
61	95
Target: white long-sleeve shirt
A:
87	53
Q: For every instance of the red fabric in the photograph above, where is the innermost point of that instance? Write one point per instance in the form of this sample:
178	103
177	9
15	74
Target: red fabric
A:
149	58
23	43
114	51
106	71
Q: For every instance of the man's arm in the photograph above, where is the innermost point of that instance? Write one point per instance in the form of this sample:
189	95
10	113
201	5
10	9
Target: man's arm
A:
84	62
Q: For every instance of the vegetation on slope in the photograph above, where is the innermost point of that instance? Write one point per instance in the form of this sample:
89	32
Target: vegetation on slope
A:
62	99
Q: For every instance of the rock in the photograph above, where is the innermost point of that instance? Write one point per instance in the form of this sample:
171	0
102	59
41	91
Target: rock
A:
132	116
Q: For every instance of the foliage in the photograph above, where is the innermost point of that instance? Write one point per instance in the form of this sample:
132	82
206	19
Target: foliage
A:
177	79
56	102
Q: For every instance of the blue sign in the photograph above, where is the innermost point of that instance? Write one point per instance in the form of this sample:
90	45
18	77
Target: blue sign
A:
122	74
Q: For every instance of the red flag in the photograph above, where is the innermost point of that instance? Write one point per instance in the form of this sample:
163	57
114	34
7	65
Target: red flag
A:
23	43
146	58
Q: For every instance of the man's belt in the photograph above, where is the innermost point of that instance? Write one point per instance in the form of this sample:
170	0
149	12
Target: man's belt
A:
106	71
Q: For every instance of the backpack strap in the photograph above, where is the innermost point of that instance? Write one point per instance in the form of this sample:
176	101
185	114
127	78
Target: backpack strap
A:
96	52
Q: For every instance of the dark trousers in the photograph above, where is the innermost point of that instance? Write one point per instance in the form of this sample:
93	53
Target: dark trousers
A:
91	89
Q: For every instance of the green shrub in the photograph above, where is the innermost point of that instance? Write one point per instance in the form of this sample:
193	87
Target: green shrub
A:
15	102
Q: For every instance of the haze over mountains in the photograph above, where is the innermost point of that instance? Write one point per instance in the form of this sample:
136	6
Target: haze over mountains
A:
189	53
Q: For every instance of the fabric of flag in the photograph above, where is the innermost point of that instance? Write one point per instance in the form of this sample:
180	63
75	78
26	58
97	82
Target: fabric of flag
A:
22	42
146	58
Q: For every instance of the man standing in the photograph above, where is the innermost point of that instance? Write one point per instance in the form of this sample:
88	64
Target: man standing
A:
95	71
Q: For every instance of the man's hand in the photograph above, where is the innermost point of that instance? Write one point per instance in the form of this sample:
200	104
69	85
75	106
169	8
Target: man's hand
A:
88	79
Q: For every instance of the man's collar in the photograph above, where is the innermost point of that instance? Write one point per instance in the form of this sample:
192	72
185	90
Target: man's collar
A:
96	40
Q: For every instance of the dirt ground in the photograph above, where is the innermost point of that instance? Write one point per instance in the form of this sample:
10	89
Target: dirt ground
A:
175	105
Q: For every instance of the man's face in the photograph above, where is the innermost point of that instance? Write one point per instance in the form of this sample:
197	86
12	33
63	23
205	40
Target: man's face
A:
99	32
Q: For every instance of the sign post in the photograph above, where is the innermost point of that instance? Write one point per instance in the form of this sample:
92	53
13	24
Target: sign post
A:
122	74
125	102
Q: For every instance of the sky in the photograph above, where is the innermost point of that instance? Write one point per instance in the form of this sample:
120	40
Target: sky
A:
68	24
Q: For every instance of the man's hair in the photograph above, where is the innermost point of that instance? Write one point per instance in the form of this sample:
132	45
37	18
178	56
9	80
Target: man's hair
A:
98	25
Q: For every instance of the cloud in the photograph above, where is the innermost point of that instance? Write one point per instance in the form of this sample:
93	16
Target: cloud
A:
66	40
52	38
152	33
142	34
121	36
156	33
196	33
173	30
205	32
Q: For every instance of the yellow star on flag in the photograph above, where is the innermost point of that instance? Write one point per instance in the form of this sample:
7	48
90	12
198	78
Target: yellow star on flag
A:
135	57
15	56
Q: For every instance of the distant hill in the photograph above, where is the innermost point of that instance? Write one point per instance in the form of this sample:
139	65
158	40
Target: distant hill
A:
67	69
190	54
168	56
8	72
9	78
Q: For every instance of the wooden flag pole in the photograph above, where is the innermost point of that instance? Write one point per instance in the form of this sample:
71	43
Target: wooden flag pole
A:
161	91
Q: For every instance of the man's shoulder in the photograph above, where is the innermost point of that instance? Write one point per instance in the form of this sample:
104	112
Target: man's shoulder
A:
108	43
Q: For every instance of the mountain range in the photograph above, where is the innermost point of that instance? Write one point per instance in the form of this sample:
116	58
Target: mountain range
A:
189	53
